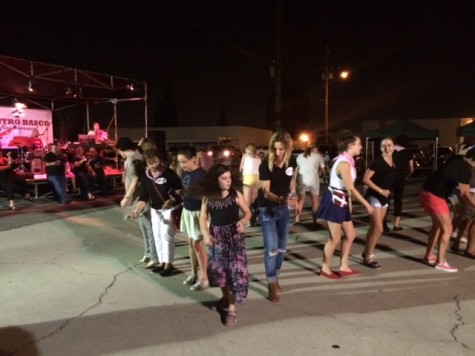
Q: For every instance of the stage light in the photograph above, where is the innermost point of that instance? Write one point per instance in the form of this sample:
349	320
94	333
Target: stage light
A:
68	90
130	87
77	94
31	85
18	108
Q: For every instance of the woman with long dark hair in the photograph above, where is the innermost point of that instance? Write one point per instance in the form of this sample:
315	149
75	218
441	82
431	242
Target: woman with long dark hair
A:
227	260
336	205
379	179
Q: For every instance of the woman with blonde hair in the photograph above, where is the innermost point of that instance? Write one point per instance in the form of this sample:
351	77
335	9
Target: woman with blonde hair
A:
277	174
336	205
249	169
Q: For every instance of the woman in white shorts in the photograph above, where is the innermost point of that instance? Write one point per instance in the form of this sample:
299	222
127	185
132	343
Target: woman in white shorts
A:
379	179
310	164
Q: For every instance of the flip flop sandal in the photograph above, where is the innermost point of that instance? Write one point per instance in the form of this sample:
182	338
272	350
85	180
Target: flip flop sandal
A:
231	319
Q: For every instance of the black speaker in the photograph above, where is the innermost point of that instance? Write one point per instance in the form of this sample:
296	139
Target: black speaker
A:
160	138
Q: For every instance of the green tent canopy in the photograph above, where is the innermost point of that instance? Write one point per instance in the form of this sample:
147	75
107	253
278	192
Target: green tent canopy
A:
411	130
402	127
466	130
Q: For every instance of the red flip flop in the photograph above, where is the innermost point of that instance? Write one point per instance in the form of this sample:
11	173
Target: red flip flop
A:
329	275
348	273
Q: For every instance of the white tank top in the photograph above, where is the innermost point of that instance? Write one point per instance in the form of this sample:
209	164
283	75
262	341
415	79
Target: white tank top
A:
335	181
251	165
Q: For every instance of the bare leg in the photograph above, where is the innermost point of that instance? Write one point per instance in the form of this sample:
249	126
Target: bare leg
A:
433	237
193	259
461	227
397	220
471	240
334	239
247	192
443	222
202	258
300	204
375	231
315	205
350	235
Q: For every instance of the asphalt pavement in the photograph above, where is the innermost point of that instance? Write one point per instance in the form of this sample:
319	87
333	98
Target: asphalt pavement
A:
71	284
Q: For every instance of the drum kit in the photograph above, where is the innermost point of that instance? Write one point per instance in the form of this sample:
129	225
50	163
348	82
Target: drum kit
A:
28	148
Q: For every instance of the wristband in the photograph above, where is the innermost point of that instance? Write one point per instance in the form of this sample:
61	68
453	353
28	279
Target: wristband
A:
126	197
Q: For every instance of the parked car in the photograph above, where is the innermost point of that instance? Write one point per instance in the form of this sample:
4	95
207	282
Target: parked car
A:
443	154
262	151
226	154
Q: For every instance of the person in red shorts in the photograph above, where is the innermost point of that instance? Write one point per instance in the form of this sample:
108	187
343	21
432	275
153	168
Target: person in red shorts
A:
436	189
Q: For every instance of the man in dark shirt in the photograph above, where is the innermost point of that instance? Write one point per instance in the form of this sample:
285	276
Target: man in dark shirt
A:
55	163
96	170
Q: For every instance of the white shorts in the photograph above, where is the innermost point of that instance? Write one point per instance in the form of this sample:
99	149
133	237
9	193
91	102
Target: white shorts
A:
375	202
313	189
190	224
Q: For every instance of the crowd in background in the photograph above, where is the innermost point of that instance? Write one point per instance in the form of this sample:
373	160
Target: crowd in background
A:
186	192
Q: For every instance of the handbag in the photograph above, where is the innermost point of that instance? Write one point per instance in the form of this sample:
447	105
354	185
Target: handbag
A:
339	198
259	201
176	210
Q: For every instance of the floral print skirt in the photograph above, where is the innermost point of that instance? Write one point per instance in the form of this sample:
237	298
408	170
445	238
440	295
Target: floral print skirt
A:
227	261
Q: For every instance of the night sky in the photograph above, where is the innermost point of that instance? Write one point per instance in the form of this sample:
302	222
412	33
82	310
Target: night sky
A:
407	59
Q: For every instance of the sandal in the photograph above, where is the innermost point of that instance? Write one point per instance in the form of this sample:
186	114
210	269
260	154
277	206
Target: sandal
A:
369	261
231	319
220	305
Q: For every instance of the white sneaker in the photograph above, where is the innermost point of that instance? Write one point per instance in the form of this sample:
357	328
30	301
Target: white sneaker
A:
144	259
445	267
192	278
152	264
200	285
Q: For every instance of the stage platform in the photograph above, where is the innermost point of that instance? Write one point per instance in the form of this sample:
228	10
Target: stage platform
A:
41	188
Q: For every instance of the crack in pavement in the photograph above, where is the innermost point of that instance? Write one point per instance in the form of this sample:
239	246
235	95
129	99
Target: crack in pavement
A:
68	321
460	322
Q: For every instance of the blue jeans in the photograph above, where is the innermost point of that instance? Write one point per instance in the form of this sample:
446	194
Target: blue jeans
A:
275	229
59	184
145	223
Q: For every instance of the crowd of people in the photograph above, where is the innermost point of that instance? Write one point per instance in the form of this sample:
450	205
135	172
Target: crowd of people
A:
204	201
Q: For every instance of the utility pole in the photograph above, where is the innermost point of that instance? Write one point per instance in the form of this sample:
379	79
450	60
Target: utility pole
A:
278	66
326	78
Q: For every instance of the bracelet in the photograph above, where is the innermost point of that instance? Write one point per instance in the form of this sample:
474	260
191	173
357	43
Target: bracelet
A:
126	197
281	200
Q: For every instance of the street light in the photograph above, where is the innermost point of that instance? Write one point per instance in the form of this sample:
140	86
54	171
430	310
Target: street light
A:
327	76
305	138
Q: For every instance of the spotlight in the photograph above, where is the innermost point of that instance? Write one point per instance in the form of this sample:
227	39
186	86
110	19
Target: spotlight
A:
18	109
77	94
68	90
31	85
130	87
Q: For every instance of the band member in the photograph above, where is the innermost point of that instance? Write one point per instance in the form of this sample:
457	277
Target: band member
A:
6	177
35	142
101	136
55	163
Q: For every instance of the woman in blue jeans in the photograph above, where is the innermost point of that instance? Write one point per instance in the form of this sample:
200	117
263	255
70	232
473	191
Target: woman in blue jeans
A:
277	176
